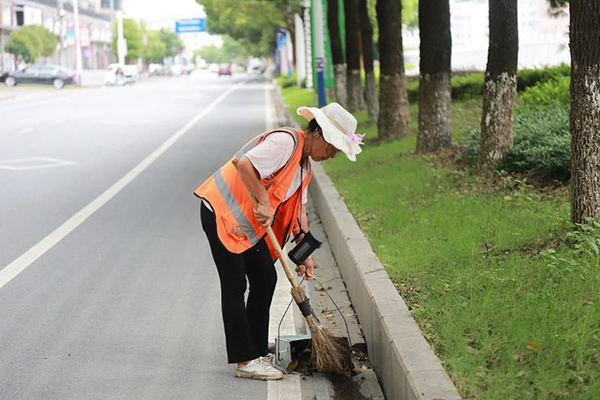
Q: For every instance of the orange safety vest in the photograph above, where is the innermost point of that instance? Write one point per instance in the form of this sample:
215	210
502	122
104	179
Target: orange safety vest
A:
237	227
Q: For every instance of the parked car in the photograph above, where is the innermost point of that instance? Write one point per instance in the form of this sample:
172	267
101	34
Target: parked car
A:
50	74
213	68
158	70
119	75
175	69
3	76
132	72
187	69
114	76
225	69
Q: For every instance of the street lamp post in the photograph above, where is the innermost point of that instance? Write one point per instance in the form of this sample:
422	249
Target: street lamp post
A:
78	61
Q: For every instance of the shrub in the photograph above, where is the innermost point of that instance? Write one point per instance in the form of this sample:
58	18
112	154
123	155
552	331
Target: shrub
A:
467	86
532	77
555	91
470	85
541	146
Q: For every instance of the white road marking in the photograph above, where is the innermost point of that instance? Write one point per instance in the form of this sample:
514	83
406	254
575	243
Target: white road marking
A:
23	164
30	256
25	130
55	122
55	100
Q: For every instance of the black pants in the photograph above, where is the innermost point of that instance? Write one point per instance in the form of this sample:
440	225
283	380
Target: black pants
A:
246	325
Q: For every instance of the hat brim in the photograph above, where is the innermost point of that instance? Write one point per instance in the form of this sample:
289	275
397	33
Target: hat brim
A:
331	133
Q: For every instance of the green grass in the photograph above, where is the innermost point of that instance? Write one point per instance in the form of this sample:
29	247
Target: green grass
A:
510	307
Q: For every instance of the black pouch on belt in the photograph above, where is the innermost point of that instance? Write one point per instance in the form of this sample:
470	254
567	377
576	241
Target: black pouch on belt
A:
302	250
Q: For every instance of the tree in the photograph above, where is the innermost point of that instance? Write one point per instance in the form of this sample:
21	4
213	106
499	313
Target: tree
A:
393	101
585	110
366	30
435	87
252	23
211	54
337	53
500	84
354	83
155	50
233	50
173	45
30	42
45	39
20	45
410	17
134	36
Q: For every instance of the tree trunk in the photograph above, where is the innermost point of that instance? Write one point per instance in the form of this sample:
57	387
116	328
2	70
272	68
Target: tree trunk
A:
367	50
393	100
585	110
500	84
355	97
435	89
337	53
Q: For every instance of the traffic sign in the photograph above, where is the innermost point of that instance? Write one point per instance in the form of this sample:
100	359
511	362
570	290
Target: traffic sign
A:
190	25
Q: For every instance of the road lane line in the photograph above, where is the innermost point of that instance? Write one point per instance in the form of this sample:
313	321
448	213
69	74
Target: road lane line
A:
25	130
30	256
55	100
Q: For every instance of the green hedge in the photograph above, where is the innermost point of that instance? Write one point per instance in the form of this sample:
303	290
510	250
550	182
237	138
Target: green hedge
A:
541	133
468	86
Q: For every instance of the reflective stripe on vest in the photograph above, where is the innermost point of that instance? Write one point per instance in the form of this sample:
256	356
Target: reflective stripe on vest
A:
239	215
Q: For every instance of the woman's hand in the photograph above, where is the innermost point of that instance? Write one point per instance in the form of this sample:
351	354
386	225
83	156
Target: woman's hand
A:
263	214
307	269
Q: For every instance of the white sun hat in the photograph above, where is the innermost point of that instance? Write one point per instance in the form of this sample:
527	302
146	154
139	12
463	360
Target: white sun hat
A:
338	126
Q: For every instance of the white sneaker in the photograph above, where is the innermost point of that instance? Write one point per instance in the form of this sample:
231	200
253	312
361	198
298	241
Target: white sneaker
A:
261	368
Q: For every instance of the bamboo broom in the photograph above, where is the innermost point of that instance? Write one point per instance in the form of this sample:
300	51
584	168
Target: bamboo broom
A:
329	354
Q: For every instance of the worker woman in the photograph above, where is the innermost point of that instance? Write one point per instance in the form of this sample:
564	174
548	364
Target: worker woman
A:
274	167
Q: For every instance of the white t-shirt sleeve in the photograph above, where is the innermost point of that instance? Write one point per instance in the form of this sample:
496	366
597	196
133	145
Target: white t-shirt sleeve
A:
272	154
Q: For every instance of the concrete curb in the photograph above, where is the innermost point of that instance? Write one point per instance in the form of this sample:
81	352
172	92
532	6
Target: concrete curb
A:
407	367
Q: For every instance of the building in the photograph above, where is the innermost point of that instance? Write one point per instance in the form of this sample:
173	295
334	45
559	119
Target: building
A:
57	15
543	40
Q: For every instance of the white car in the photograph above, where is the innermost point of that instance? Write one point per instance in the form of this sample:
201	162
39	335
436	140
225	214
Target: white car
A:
119	75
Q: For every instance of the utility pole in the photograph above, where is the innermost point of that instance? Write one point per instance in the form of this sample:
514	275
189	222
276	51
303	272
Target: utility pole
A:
121	42
320	52
78	62
1	36
63	30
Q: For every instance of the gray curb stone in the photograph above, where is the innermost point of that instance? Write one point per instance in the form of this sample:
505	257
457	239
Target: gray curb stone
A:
407	367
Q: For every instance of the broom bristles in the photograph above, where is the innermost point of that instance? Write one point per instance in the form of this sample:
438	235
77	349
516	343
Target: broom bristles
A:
328	351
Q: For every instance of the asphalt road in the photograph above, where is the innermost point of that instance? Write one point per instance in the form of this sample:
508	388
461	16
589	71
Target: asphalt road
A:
117	296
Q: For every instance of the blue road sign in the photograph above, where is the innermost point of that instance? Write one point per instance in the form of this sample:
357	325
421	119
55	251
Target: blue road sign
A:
190	25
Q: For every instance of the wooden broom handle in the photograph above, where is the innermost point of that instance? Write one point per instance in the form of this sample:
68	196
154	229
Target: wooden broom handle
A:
272	238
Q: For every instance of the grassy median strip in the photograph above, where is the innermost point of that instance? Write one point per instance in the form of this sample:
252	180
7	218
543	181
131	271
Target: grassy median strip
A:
505	291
